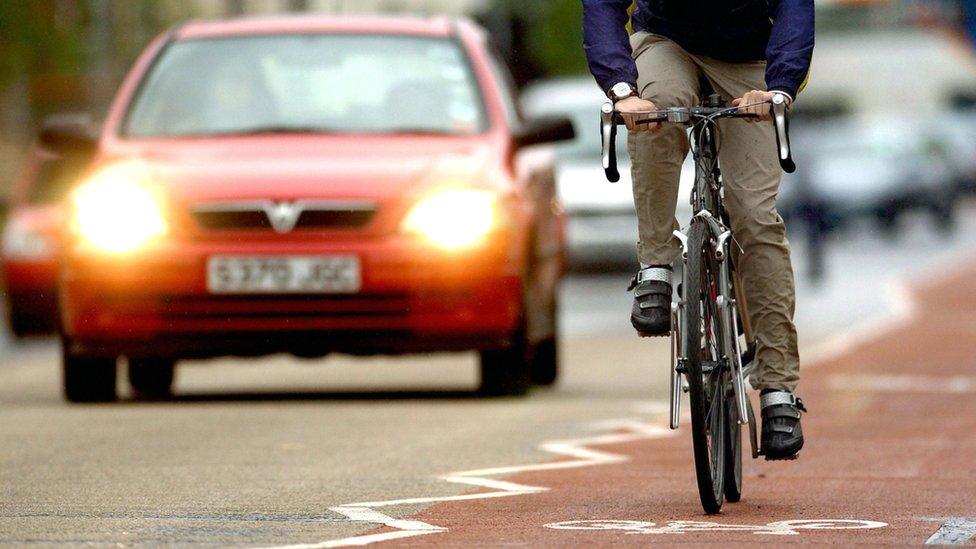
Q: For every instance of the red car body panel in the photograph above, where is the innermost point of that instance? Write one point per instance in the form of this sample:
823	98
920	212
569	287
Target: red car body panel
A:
413	297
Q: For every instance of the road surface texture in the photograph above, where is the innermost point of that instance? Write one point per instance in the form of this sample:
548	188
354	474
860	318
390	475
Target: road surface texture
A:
278	451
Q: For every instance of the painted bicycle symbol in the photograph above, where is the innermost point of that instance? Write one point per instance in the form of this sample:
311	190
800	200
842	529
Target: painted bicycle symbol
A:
781	528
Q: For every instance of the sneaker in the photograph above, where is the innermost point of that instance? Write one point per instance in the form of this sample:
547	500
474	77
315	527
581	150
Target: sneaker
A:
782	437
651	313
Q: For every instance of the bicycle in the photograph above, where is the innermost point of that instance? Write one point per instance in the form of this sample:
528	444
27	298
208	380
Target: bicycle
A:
710	316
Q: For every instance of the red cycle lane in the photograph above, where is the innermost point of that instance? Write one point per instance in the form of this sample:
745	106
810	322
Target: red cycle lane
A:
891	442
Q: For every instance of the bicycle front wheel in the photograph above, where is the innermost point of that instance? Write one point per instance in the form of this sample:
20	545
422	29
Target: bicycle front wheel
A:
733	452
704	370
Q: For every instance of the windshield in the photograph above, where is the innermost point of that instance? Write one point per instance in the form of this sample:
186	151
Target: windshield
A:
308	83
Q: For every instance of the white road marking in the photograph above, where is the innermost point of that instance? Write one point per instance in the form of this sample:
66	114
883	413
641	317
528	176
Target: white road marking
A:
626	430
903	383
902	308
955	531
779	528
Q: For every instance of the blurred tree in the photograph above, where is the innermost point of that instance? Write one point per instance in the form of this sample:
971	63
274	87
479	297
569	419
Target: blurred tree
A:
555	37
235	7
540	38
35	40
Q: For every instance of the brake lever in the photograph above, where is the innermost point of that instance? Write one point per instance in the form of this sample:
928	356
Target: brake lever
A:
608	132
782	125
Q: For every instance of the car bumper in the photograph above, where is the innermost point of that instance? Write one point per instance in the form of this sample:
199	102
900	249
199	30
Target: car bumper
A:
411	300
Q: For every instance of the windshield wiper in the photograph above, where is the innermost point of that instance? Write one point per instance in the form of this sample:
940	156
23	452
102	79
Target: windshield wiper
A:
407	130
278	130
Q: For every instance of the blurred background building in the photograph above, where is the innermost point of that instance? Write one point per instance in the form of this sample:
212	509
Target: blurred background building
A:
873	56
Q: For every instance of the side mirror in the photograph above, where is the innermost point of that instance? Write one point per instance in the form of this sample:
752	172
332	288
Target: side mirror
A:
548	129
69	135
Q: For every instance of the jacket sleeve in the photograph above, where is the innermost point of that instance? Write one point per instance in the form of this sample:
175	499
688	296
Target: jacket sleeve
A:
790	46
607	43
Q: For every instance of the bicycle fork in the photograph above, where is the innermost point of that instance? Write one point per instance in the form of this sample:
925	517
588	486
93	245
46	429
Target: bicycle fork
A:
728	325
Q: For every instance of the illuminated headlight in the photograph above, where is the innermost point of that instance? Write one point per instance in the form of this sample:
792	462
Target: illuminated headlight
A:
455	219
117	211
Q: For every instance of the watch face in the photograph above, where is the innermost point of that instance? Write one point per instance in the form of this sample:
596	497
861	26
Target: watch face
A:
621	90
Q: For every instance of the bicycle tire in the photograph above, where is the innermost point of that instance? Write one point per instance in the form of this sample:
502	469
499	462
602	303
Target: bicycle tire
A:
733	453
708	416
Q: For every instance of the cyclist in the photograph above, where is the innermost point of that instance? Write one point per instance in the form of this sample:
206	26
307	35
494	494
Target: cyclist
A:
748	50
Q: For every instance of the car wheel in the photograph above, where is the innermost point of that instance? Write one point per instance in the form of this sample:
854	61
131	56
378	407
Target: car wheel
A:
21	325
151	379
24	324
545	361
888	223
507	372
88	379
943	216
545	353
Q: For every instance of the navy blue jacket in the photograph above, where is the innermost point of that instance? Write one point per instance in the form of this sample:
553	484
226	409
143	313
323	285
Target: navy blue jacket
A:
738	31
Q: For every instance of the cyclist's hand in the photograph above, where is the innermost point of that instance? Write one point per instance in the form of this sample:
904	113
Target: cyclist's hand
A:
635	105
755	102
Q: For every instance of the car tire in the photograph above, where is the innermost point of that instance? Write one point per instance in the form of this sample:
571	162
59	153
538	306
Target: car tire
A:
507	372
545	361
943	217
24	324
88	379
151	379
545	353
21	325
887	222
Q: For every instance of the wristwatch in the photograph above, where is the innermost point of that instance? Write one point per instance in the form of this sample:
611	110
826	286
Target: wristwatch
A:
622	90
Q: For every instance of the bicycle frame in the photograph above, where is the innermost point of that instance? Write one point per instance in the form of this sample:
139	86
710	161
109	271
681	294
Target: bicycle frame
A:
707	202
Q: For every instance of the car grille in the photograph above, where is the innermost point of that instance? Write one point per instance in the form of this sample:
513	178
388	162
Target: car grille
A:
284	217
284	307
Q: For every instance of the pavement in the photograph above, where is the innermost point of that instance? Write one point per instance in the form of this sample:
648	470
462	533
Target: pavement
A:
278	451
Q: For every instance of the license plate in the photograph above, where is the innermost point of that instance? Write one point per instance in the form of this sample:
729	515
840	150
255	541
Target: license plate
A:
339	274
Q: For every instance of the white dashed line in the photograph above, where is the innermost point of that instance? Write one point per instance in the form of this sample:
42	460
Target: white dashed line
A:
627	430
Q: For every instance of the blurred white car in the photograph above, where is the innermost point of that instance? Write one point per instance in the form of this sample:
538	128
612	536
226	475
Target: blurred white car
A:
958	131
602	221
878	168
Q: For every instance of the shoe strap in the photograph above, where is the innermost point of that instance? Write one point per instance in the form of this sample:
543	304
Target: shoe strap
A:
780	397
656	274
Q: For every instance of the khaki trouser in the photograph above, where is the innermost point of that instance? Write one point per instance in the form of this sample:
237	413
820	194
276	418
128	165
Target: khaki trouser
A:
669	76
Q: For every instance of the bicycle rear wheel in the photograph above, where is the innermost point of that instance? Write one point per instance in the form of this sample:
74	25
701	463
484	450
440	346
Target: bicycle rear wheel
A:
705	372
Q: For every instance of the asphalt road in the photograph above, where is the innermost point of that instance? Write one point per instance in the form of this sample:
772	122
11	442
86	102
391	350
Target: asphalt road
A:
278	451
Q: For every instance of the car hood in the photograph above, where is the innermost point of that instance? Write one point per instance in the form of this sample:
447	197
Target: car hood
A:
299	168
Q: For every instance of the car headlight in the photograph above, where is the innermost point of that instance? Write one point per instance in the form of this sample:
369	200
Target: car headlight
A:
117	211
455	219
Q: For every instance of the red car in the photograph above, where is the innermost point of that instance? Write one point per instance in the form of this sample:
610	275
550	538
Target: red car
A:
32	232
313	185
